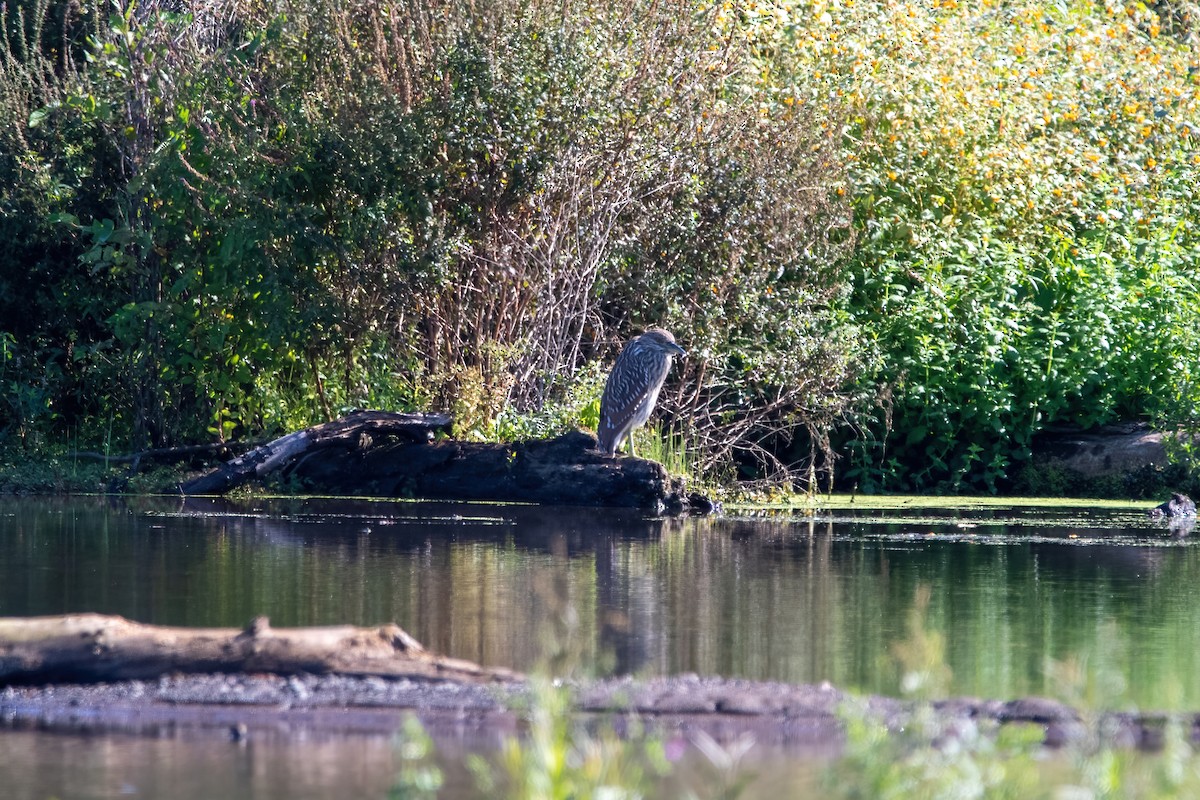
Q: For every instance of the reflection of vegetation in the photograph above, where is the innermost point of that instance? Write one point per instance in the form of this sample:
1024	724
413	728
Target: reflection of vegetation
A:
765	599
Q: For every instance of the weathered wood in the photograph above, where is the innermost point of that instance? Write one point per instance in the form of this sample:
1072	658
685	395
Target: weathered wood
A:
348	457
567	470
96	647
352	432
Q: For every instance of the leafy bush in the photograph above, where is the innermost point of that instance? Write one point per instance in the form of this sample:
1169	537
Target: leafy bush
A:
1024	182
267	215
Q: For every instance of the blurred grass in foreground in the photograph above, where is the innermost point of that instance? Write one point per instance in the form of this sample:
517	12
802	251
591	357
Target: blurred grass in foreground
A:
930	756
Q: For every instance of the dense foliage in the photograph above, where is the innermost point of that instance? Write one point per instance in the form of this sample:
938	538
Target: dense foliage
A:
1025	178
249	217
928	231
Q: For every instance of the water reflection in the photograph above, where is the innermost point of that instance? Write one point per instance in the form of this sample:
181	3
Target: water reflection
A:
41	765
37	766
795	599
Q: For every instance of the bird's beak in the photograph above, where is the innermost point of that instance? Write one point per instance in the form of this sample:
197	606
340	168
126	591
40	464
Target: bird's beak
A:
679	350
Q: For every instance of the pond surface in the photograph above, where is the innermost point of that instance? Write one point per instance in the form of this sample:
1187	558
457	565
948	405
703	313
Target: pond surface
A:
793	598
1096	607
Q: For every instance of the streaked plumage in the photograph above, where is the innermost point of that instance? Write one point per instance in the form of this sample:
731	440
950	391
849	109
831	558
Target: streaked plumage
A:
633	386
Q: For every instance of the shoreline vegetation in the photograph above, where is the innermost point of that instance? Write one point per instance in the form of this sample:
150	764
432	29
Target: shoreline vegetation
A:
900	241
58	472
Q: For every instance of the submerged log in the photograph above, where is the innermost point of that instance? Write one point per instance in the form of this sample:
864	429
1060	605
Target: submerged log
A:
95	647
378	454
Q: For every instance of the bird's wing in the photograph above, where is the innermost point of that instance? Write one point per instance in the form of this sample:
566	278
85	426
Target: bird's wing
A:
633	384
621	410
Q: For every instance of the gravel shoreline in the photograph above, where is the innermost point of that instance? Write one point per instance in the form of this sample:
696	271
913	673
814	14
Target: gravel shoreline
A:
797	718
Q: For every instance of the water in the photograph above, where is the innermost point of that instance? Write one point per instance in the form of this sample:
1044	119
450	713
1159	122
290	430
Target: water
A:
42	766
37	766
1093	607
601	592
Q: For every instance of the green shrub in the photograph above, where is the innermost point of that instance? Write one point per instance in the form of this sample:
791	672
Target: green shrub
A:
264	217
1024	183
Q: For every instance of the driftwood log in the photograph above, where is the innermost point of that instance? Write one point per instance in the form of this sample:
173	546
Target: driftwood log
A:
384	454
94	647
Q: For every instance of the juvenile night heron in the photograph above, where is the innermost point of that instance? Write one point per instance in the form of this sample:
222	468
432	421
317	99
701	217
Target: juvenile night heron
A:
633	386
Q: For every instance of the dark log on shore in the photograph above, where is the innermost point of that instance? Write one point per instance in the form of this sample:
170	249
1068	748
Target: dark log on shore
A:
353	432
379	454
94	647
1109	450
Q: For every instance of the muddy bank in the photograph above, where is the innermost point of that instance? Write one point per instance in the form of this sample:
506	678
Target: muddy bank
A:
795	718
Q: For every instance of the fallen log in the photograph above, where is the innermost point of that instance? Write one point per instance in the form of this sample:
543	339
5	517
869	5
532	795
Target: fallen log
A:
379	454
1109	450
89	648
352	432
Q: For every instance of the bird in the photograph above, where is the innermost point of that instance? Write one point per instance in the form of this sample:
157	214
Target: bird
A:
633	385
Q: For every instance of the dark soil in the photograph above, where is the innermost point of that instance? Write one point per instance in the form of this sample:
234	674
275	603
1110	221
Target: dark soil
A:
790	717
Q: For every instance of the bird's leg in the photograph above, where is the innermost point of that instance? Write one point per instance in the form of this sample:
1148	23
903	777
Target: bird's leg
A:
631	453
